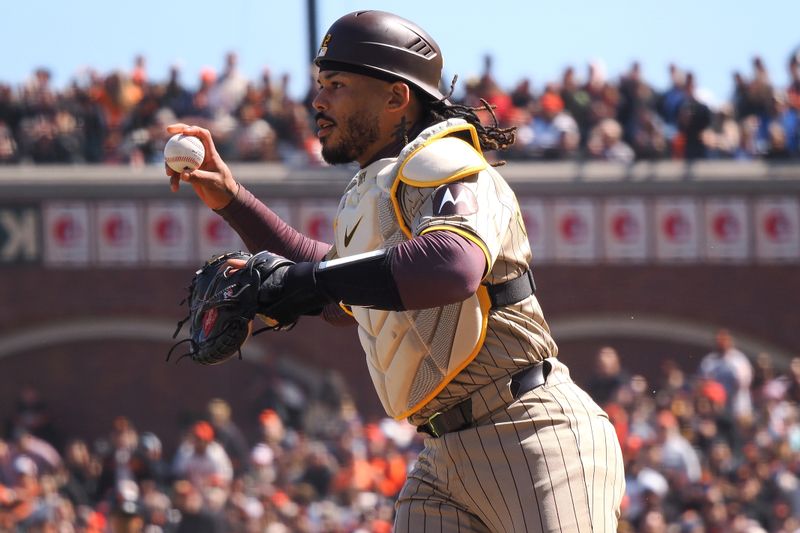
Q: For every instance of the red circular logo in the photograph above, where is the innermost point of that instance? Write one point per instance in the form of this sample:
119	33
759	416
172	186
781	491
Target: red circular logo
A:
676	226
117	229
66	229
168	229
726	226
573	227
217	230
624	226
777	226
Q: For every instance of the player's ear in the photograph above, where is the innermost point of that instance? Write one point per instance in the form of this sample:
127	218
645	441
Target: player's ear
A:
400	96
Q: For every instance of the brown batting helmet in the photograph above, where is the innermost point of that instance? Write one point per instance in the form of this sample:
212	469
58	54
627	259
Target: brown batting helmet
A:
383	45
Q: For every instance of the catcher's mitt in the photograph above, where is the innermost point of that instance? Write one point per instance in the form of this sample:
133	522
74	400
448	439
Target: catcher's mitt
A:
222	304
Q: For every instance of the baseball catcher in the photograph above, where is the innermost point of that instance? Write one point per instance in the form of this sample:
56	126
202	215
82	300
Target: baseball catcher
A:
430	260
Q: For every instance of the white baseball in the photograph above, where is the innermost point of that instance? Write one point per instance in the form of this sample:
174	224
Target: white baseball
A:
184	152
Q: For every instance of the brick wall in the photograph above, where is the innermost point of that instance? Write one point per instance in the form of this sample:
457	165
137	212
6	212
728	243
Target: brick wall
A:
88	382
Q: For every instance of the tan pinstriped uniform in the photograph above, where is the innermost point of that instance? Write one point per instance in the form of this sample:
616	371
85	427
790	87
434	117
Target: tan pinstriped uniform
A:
547	461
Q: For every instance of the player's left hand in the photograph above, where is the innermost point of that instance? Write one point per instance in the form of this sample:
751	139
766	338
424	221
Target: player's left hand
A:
224	297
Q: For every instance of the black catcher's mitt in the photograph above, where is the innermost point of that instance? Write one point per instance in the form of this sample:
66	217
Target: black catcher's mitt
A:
222	304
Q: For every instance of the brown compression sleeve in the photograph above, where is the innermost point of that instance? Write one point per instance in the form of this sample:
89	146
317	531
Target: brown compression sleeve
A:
435	269
438	268
432	270
261	229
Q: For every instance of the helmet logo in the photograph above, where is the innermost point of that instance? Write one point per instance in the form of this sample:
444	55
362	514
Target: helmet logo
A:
323	49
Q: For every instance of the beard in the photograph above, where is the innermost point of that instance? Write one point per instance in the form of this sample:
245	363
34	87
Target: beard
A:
358	131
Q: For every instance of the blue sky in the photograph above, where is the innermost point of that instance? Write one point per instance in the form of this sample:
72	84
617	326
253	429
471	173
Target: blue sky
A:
532	39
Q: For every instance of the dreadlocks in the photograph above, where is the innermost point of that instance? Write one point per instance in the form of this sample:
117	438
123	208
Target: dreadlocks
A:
491	137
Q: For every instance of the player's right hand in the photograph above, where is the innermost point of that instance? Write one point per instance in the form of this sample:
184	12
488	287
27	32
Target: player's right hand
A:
212	180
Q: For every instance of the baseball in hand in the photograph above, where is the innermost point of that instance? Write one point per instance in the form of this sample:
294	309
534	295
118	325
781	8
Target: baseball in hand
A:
184	152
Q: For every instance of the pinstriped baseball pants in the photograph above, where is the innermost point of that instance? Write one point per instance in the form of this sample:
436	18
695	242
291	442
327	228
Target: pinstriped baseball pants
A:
550	461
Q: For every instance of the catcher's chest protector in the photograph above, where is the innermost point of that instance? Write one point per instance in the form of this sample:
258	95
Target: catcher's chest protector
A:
411	355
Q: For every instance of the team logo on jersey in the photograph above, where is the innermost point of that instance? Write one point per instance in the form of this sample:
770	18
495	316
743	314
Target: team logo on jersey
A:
454	199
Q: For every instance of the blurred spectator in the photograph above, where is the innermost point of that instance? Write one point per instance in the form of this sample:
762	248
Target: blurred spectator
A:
677	455
605	142
750	146
690	464
672	99
793	388
319	470
139	72
82	472
551	133
760	90
177	98
156	507
388	464
116	456
126	508
649	140
730	367
488	89
8	145
741	101
228	434
7	474
119	117
521	95
793	91
194	516
724	137
576	101
203	462
19	499
254	139
229	88
694	117
636	97
783	129
32	415
608	376
604	97
44	455
147	463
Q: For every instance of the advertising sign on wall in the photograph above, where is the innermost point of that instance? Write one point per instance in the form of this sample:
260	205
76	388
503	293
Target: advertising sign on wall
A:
676	224
119	233
727	232
625	229
575	230
170	236
67	235
777	228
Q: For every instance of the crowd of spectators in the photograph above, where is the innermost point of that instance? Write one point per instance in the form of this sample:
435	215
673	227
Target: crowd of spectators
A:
711	450
119	117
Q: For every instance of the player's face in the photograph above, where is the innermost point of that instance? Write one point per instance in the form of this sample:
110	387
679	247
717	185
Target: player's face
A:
348	116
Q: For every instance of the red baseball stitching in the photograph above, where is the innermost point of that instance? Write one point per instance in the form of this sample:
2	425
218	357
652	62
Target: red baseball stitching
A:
181	158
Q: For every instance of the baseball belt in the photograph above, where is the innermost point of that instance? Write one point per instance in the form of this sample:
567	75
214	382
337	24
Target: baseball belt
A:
460	417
